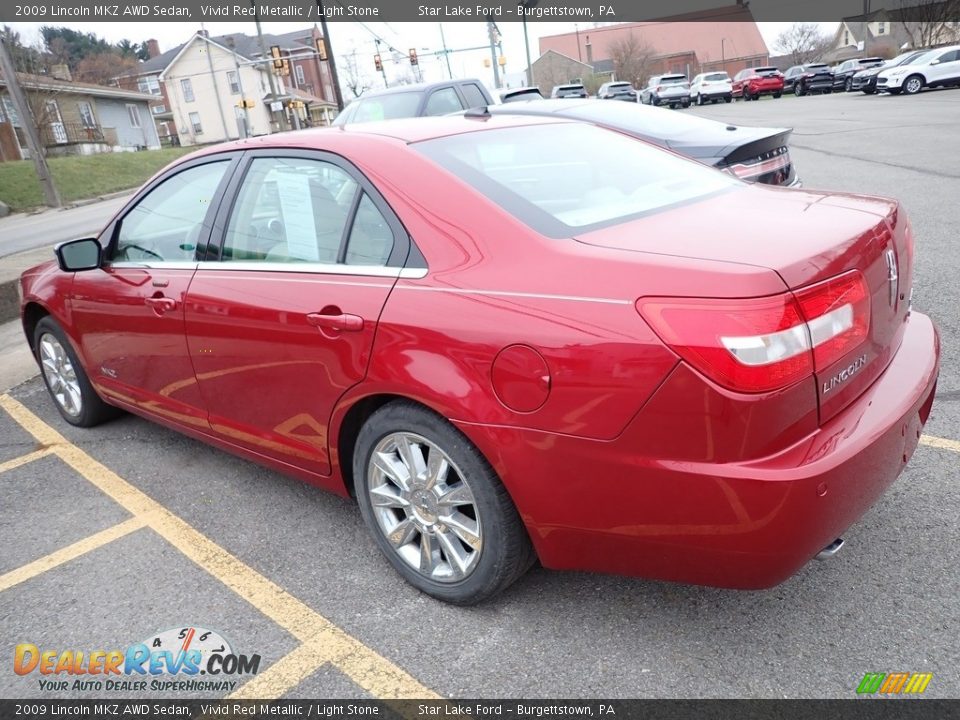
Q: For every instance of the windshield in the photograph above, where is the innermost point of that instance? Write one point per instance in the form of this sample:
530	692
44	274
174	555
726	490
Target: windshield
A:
386	107
600	178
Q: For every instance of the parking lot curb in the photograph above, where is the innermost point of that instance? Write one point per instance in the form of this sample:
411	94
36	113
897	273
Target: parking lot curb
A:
9	301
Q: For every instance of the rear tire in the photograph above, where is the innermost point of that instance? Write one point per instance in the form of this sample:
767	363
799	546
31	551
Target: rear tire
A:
799	92
849	85
728	99
655	101
777	95
912	85
456	534
699	99
66	381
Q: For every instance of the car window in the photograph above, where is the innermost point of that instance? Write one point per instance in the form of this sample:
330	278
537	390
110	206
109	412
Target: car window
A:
169	221
443	102
473	95
290	210
371	239
601	178
714	77
950	56
386	107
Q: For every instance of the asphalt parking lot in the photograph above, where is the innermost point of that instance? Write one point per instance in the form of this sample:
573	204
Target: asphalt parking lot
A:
114	534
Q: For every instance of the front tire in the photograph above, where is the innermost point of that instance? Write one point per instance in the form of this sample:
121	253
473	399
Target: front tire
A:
912	85
777	95
436	508
849	85
699	99
800	92
66	381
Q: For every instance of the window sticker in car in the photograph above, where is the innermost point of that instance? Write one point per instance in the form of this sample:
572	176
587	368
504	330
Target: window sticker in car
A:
296	207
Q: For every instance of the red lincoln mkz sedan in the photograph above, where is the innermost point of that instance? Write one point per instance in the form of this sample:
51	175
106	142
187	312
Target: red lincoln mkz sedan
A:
510	338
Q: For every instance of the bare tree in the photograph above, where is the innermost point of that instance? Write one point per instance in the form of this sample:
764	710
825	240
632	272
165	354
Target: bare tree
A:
930	22
802	43
632	59
352	77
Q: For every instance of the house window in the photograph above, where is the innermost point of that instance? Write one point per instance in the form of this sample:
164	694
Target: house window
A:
298	71
10	112
195	123
881	28
149	84
157	109
234	79
86	115
134	112
186	87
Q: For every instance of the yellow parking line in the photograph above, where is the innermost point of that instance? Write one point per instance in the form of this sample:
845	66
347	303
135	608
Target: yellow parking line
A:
63	555
24	459
285	674
939	442
326	642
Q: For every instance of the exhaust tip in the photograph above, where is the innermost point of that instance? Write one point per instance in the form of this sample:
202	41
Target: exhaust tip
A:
830	550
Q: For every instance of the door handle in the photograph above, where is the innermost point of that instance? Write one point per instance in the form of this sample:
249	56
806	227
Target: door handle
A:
161	304
335	321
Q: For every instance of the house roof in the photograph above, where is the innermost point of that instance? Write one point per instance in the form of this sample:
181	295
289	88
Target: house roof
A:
50	84
726	32
246	46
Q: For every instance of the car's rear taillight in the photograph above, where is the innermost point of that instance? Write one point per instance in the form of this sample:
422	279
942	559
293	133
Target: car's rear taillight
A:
762	344
838	316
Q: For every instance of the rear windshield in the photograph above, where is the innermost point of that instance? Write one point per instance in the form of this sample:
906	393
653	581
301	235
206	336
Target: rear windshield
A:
767	70
672	79
531	94
619	86
716	76
599	178
386	107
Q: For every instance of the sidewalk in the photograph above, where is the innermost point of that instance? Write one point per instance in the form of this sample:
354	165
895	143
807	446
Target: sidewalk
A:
28	239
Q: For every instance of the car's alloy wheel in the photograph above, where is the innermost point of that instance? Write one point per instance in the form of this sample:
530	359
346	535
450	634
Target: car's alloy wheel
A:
424	506
74	396
436	508
60	375
849	84
799	92
699	99
913	85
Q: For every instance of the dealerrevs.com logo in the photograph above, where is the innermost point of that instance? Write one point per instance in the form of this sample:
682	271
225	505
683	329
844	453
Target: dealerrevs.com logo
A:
172	660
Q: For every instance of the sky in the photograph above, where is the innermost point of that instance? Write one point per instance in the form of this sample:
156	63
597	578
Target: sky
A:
349	37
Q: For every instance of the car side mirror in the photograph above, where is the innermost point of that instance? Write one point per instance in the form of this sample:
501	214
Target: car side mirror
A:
79	255
934	62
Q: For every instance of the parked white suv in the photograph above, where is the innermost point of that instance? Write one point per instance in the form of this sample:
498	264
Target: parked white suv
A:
936	68
711	87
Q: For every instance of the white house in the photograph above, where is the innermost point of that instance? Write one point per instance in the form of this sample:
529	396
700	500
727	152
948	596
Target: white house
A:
217	94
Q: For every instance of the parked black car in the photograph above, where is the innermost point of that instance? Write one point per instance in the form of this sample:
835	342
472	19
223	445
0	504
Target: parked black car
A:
866	80
439	98
809	78
843	77
751	153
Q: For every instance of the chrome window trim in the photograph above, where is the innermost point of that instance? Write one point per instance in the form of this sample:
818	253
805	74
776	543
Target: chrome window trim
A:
306	267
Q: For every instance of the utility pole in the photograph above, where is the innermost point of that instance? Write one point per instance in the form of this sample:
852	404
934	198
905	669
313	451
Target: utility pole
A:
330	56
282	122
213	79
526	39
446	53
494	33
8	69
243	98
383	72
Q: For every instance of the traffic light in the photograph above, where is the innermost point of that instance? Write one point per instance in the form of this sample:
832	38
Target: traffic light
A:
413	56
277	57
322	48
378	63
246	104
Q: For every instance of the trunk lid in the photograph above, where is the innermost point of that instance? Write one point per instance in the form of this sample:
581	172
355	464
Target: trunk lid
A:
805	237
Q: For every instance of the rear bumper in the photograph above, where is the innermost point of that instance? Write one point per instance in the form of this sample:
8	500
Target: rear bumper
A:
592	505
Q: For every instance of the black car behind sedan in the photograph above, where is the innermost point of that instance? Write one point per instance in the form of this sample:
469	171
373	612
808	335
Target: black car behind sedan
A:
809	78
752	154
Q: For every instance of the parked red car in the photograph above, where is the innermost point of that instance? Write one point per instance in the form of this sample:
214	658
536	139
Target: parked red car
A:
505	352
751	83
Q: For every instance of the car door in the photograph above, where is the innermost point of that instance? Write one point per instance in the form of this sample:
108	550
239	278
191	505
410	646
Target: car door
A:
282	323
129	313
947	69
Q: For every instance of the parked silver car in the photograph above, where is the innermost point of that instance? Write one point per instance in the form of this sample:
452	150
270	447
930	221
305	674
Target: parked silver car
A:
672	90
